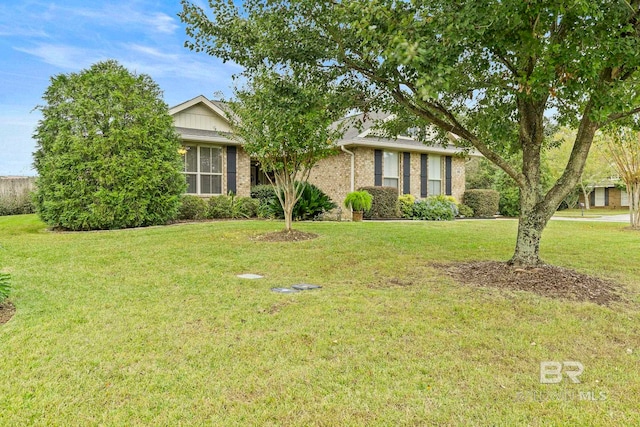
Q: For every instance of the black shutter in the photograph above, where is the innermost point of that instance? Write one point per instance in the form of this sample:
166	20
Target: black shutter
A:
592	198
406	173
447	175
424	159
231	169
377	168
606	197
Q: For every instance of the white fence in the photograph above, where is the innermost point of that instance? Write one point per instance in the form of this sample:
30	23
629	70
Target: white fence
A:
14	186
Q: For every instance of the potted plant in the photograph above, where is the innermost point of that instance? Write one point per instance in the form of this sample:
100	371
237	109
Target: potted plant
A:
358	202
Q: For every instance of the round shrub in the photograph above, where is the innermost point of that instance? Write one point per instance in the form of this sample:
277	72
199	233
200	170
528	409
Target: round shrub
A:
434	209
107	152
406	202
192	208
247	207
232	207
263	192
484	203
220	207
465	211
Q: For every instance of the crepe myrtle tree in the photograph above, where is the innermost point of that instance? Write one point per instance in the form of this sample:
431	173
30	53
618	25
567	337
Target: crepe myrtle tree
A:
286	122
622	148
107	152
597	168
486	71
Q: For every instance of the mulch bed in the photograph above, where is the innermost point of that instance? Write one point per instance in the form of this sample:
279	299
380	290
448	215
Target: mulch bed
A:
285	236
547	280
7	310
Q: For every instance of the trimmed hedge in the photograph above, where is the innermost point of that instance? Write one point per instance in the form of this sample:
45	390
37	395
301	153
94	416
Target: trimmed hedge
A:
385	202
16	204
484	203
465	211
192	207
232	207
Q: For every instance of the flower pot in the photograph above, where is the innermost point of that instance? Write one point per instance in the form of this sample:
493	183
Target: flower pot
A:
356	216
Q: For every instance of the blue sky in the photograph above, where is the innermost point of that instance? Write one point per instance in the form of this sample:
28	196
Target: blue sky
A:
40	39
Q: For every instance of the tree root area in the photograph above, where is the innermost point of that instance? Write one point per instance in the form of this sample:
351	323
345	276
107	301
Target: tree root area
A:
547	280
285	236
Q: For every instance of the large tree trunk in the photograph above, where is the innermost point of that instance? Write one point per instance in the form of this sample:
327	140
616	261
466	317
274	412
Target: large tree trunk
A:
533	219
536	208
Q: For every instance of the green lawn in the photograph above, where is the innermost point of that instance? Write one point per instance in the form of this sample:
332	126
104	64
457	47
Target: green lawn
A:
152	327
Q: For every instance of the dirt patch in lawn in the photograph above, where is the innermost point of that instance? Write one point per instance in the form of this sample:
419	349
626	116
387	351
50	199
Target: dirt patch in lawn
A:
285	236
7	310
549	281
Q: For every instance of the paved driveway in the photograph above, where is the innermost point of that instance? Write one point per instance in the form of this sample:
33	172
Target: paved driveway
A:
603	218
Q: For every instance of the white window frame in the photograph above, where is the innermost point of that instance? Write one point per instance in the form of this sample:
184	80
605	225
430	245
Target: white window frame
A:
385	173
433	181
198	173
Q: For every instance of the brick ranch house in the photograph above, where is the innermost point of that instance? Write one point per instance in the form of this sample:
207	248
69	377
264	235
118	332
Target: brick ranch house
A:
607	194
215	164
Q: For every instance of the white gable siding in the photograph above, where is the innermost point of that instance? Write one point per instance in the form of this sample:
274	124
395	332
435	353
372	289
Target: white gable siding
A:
200	117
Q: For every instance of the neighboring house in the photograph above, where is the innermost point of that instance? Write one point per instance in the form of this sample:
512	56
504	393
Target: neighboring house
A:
216	164
608	194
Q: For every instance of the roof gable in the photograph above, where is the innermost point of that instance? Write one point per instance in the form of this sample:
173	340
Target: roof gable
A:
200	113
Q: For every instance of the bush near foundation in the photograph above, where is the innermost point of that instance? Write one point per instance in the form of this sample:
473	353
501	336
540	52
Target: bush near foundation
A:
484	203
385	202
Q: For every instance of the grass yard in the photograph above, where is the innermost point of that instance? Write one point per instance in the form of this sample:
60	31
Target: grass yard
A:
152	327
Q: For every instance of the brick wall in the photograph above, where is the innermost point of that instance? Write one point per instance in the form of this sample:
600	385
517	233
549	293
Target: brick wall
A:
458	177
333	176
364	167
243	173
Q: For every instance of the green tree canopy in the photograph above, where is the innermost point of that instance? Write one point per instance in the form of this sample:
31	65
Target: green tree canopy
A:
107	153
285	122
486	71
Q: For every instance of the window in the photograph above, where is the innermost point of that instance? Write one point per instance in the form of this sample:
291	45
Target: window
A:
391	169
624	198
203	169
435	175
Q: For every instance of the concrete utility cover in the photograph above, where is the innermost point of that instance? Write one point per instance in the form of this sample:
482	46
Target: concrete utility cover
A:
305	287
284	290
250	276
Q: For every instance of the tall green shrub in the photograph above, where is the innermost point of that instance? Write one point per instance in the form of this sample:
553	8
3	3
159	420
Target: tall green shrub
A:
385	202
107	152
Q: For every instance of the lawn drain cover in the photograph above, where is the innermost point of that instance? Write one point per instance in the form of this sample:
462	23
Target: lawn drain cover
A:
285	290
305	287
250	276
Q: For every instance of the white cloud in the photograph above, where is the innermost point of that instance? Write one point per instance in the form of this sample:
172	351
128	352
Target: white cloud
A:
63	56
124	15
